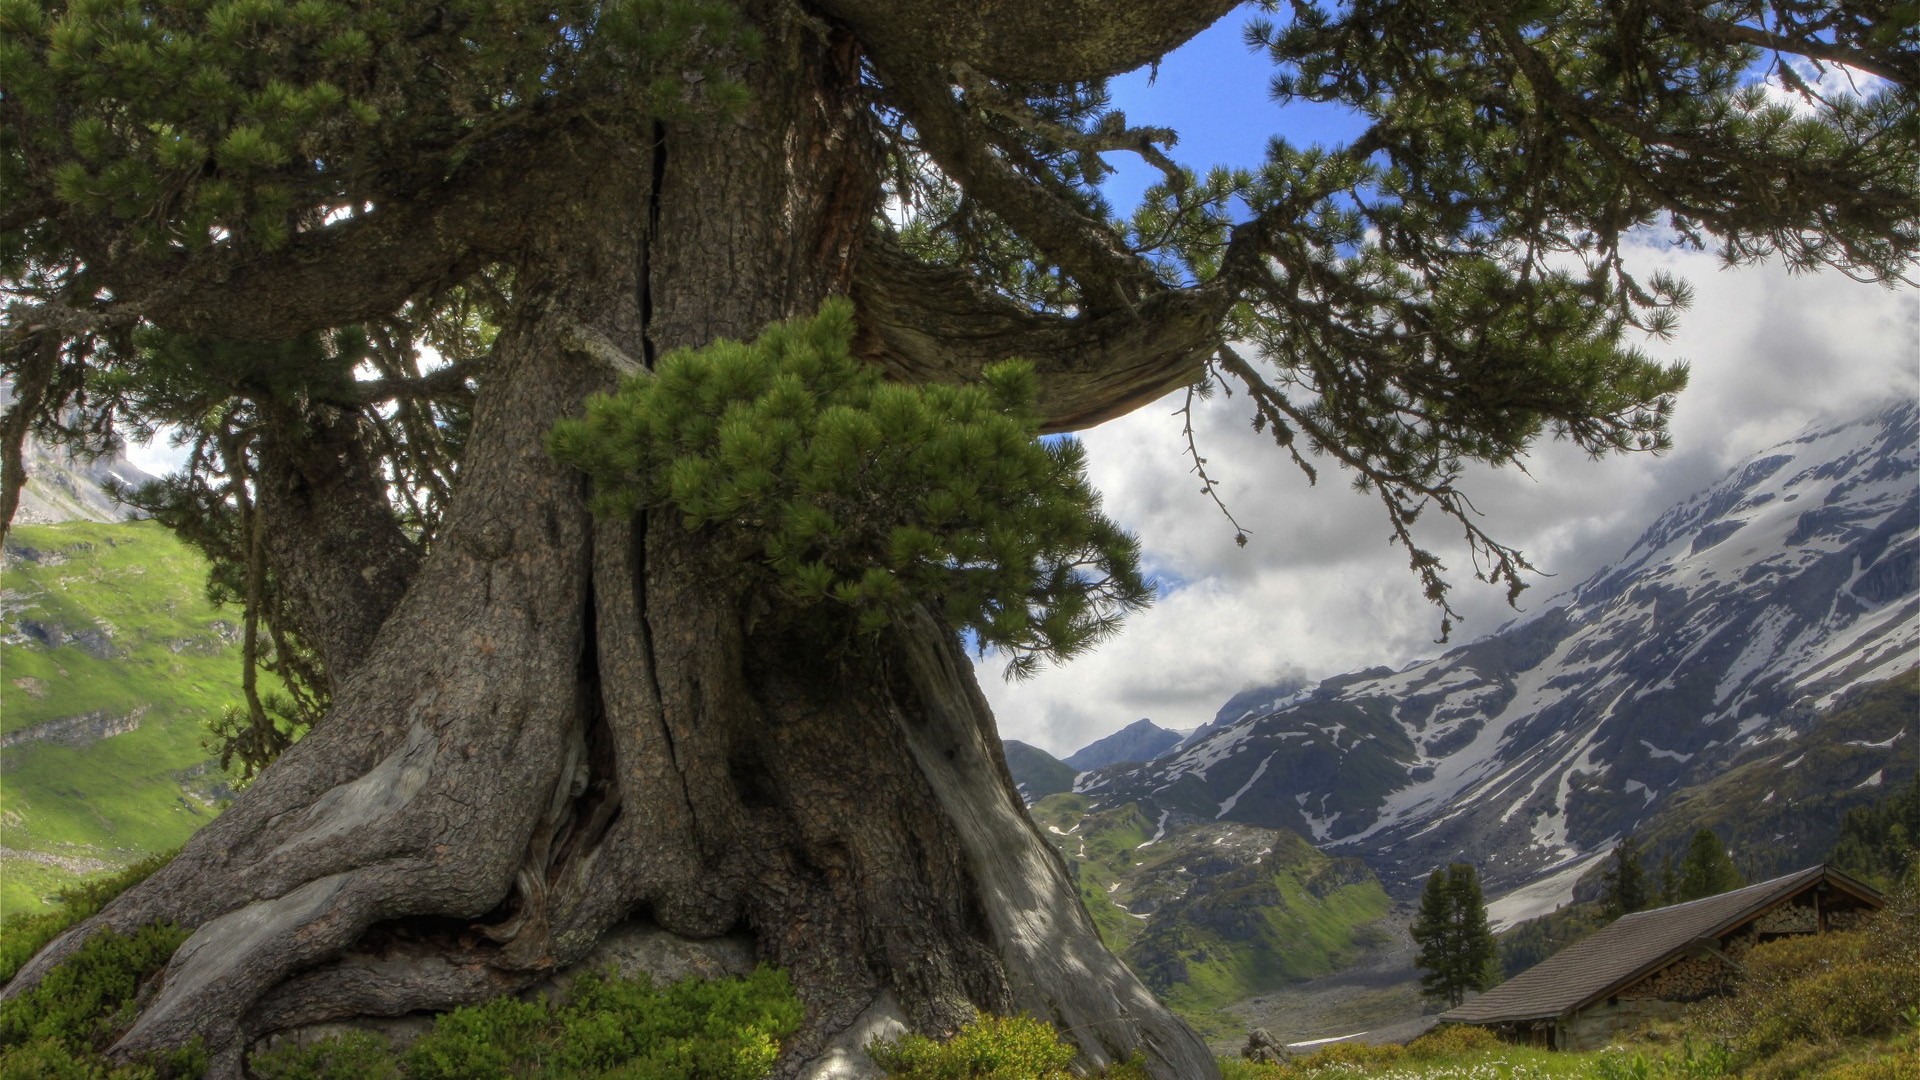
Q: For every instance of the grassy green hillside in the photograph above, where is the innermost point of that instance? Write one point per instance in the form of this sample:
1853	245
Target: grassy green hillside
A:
1211	913
111	660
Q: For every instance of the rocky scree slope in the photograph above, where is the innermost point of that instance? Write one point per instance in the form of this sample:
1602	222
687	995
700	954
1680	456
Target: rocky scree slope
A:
1733	622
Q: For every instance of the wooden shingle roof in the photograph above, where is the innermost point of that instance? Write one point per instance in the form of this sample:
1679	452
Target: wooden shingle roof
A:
1634	946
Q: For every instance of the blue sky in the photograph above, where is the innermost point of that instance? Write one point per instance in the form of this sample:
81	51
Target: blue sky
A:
1213	91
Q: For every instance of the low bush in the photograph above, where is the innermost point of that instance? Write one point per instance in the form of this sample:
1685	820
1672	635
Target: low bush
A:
358	1055
58	1028
28	934
991	1048
605	1027
1825	990
1454	1040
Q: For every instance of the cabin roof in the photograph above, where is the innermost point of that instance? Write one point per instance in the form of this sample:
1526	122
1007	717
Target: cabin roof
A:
1634	946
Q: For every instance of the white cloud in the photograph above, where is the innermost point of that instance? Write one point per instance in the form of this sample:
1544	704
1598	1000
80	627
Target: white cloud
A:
1320	591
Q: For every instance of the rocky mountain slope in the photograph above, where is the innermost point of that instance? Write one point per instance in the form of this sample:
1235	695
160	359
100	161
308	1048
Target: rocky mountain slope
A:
1730	625
64	487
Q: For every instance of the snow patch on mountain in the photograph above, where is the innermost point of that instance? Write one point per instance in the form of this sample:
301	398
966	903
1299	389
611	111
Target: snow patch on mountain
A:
1756	601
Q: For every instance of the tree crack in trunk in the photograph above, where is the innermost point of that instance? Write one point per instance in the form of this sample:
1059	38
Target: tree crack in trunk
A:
656	181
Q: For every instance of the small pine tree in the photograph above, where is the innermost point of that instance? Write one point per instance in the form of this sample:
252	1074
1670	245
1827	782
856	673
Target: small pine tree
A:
1669	880
1707	869
1877	841
1626	881
1457	950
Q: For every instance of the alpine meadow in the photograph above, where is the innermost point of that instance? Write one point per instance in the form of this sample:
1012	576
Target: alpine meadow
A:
618	419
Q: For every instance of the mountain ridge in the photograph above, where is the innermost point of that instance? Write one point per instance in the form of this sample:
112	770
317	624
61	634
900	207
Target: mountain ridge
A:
1737	614
1142	740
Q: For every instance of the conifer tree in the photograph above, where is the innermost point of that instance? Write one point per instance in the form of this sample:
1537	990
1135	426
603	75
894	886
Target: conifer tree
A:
1625	881
1457	952
1668	882
529	722
1877	841
1706	869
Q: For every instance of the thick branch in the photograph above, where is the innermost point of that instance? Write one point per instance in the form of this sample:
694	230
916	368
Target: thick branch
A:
933	324
964	149
37	355
1024	42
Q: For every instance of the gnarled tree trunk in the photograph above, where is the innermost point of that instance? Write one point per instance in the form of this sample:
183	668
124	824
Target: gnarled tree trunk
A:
566	723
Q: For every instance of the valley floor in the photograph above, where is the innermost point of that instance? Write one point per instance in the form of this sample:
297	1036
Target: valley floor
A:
1376	999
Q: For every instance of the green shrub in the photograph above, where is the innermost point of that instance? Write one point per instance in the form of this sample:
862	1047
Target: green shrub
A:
28	934
1454	1040
358	1055
480	1042
990	1048
993	1048
722	1029
1825	990
1242	1069
1899	1065
57	1029
826	488
84	1000
605	1027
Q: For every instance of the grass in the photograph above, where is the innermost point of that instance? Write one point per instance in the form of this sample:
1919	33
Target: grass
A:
1235	910
136	594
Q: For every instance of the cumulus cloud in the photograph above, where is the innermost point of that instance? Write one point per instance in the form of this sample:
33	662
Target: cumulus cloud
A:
1320	591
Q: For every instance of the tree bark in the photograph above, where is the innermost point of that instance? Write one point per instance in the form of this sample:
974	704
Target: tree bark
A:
566	723
331	539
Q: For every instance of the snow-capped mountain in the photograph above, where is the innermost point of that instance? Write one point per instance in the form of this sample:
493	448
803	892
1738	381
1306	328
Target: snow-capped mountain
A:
1732	620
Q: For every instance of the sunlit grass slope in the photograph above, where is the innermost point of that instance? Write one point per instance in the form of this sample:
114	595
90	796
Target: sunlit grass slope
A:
111	661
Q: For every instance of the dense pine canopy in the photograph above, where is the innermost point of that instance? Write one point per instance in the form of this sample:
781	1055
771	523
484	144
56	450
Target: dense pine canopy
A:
1444	288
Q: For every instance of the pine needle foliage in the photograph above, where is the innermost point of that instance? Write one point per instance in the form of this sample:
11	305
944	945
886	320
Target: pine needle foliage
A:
1706	869
1625	881
1457	951
835	488
208	122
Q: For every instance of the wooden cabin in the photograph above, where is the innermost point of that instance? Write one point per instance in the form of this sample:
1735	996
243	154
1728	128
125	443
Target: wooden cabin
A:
1651	964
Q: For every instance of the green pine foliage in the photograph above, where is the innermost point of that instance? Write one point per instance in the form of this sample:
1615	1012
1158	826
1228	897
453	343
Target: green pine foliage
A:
1457	950
1706	869
1667	883
1625	881
206	122
833	488
1877	841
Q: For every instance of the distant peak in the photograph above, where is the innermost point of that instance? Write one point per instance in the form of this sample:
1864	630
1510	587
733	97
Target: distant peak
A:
1142	740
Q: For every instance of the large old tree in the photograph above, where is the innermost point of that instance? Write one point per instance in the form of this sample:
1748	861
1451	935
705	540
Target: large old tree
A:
531	723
